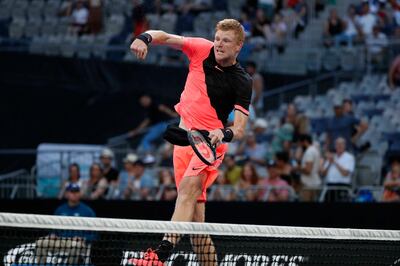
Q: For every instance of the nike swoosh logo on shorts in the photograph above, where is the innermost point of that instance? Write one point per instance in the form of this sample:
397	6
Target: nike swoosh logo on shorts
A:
196	168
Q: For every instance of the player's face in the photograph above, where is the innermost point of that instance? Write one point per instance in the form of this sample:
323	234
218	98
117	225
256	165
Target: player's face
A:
226	46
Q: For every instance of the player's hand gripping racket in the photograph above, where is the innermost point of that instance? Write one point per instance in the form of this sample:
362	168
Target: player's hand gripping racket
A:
202	146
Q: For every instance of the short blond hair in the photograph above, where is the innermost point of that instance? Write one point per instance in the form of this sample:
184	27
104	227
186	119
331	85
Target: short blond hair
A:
233	25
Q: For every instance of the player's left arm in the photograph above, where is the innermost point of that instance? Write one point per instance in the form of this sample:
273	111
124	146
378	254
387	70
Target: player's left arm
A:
239	125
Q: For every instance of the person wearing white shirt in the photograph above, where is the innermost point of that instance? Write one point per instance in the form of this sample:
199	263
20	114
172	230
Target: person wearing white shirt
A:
339	167
309	168
338	170
366	21
80	16
376	45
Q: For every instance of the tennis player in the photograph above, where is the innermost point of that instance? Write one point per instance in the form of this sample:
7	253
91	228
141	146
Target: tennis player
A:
216	85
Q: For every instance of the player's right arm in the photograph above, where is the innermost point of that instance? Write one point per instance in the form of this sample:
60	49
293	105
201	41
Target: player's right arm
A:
140	48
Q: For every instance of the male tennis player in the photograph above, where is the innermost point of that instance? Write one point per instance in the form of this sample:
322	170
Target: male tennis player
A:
216	85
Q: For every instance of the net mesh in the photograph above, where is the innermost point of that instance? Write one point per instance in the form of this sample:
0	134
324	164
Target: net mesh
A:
49	240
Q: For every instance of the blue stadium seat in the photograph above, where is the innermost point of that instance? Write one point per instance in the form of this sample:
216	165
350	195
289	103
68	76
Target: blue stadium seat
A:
360	98
391	137
372	112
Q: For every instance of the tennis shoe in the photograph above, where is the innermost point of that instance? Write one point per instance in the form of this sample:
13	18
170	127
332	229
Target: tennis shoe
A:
150	259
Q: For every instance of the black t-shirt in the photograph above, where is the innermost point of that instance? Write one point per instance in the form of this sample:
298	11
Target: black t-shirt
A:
112	174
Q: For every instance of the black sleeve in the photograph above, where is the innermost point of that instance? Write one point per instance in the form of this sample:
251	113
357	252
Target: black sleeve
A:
243	94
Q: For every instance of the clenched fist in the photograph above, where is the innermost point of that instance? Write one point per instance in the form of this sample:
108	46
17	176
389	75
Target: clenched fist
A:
139	48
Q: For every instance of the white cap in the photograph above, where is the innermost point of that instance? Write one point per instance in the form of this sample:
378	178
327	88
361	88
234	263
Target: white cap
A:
261	122
107	153
131	158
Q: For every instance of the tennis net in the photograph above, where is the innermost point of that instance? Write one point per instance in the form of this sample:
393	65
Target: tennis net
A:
28	239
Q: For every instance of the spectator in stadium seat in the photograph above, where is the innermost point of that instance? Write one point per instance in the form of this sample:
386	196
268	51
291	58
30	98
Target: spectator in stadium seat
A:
268	7
139	20
300	122
392	183
309	168
385	20
282	140
276	33
74	175
258	27
301	17
260	126
232	171
156	120
141	184
221	190
251	150
277	187
74	244
334	29
258	87
377	42
352	30
338	169
193	6
80	17
109	172
319	7
394	73
95	20
348	107
366	21
245	188
342	125
96	186
167	181
285	168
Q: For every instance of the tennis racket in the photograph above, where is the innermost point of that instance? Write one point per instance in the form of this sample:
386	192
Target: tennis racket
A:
202	146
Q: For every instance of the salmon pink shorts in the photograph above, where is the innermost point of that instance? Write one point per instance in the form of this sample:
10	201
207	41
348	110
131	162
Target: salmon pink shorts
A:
187	164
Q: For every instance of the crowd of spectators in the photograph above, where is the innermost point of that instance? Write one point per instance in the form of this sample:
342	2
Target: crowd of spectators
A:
267	165
370	22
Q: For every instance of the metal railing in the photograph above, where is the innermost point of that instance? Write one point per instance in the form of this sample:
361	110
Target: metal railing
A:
17	184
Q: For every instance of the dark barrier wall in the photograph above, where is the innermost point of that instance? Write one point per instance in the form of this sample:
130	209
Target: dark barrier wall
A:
346	215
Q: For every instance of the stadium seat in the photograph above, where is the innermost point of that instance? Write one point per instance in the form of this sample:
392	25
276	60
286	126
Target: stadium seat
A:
348	59
16	29
49	26
364	176
53	45
114	24
201	24
38	45
372	112
51	8
5	12
100	46
63	25
330	60
32	27
116	7
18	13
167	22
85	46
68	45
153	20
20	4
